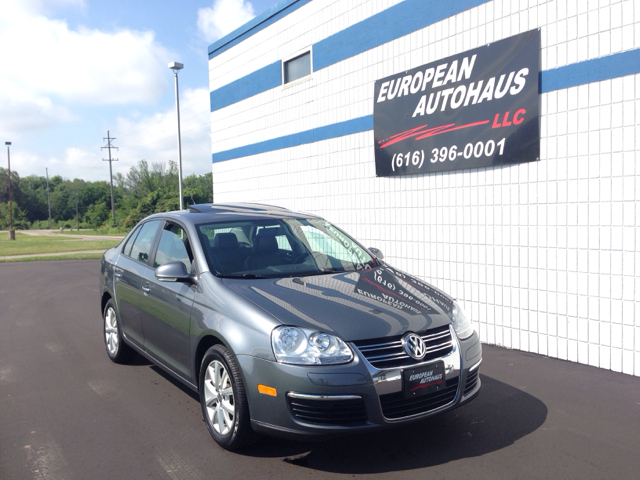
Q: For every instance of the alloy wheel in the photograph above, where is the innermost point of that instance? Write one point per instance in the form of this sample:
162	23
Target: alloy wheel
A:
218	394
111	331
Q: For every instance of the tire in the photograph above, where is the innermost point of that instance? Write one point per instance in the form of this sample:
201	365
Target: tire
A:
223	399
118	351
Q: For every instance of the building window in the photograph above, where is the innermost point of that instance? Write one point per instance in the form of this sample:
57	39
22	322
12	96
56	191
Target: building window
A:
297	67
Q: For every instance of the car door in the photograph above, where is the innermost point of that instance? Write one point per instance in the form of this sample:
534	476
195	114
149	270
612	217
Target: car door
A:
167	311
130	271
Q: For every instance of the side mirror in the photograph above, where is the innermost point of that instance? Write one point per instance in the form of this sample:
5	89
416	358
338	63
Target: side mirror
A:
173	272
377	253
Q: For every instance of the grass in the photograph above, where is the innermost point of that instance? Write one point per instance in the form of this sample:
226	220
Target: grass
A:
36	245
86	231
71	256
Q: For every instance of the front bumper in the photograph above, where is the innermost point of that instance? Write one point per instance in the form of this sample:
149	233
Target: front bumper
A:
357	397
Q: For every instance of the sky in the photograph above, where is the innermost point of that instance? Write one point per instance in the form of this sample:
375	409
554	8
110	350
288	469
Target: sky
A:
73	70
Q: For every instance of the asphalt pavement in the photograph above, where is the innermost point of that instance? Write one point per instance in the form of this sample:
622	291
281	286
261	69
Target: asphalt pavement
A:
68	412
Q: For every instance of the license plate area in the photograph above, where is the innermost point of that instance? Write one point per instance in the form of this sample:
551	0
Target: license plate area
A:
423	380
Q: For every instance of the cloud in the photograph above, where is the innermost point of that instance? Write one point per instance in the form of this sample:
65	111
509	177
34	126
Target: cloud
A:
58	73
223	17
154	138
29	114
84	163
46	64
83	65
14	8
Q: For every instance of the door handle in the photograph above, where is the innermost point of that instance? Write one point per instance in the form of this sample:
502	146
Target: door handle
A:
145	289
118	274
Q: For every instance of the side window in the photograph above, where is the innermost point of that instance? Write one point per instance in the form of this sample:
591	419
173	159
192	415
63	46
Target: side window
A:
320	242
173	247
283	241
240	235
211	233
132	238
142	244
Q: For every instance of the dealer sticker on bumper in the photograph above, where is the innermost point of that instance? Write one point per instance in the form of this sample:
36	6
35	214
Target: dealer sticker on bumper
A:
424	380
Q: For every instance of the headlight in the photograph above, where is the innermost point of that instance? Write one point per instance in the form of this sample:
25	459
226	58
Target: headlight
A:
461	324
307	347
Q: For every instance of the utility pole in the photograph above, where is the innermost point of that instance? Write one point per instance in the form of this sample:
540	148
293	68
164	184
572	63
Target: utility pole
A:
12	232
48	197
77	221
109	146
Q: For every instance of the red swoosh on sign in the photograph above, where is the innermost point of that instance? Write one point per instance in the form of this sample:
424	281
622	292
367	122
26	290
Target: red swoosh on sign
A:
421	132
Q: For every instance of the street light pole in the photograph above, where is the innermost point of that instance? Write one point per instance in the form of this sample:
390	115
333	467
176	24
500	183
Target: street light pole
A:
12	232
175	66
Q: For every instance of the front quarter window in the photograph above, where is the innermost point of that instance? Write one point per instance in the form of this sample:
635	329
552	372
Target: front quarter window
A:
142	244
130	240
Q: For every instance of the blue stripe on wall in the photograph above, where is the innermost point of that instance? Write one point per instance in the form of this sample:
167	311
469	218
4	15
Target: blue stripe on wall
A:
388	25
589	71
275	13
257	82
341	129
605	68
392	23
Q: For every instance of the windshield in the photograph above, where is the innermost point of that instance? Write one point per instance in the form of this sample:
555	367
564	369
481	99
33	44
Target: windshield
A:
267	248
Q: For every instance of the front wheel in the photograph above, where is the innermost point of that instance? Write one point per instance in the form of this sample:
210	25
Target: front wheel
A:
223	400
118	351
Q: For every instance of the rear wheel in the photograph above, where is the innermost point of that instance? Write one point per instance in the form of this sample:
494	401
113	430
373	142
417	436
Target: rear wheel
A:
118	351
223	400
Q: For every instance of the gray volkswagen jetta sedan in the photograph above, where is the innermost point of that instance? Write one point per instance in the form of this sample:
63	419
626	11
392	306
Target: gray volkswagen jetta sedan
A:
284	324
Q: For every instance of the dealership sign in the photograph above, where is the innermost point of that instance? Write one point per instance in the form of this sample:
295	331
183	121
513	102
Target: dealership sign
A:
475	109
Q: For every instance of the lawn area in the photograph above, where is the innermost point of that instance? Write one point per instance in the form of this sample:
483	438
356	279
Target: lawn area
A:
86	231
62	256
32	245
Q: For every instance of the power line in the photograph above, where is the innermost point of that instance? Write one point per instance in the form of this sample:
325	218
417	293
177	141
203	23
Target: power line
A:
109	146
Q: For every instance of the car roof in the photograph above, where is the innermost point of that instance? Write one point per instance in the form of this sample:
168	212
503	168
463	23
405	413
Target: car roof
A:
217	212
236	208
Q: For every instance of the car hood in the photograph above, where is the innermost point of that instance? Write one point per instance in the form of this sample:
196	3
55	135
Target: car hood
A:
369	304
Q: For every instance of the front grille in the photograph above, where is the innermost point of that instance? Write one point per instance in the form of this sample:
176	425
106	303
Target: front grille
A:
387	352
329	412
394	405
472	381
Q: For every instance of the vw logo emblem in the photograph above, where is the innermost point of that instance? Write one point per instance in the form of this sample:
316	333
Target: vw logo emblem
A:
414	346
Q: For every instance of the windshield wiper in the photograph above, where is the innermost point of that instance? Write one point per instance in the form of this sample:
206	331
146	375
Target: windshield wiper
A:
326	271
240	275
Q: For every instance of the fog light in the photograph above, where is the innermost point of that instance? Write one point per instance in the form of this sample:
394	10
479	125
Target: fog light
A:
267	390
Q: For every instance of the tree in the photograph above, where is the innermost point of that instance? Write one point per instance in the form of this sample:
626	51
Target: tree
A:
34	197
16	192
20	221
144	190
198	189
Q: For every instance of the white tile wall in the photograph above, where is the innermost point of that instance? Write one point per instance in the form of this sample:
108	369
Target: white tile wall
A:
545	256
275	42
